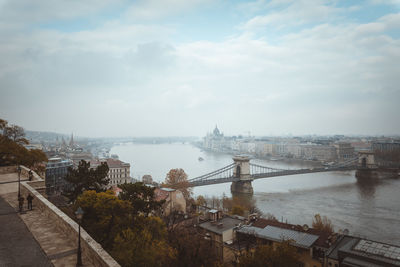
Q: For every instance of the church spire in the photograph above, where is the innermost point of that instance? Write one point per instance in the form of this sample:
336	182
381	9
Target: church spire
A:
71	141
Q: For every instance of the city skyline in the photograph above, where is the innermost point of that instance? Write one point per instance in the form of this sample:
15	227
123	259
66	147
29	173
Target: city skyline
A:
177	68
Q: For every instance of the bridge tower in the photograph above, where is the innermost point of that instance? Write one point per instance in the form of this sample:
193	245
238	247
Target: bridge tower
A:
242	171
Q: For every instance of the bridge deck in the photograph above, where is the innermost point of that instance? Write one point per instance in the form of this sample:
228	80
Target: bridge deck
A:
230	179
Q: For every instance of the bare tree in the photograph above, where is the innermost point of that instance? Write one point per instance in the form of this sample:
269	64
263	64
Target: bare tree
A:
15	133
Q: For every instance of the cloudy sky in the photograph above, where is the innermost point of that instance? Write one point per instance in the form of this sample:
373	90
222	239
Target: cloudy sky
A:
178	67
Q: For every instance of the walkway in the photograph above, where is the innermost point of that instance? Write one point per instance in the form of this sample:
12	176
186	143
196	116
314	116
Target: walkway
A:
18	247
55	246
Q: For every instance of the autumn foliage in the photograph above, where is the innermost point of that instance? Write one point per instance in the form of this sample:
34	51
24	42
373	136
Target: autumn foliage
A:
283	254
131	238
178	179
12	151
322	224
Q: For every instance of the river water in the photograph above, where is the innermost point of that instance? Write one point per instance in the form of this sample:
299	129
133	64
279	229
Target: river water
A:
369	209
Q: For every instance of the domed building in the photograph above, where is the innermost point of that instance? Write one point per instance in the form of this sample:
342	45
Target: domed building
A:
213	141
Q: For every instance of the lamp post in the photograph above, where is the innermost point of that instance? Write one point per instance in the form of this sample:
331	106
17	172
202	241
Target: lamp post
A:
79	214
19	181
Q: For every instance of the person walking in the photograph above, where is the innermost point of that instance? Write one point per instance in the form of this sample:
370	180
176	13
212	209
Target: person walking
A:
29	198
30	174
21	203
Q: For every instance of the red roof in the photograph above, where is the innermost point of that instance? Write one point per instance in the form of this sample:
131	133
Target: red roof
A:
160	194
116	190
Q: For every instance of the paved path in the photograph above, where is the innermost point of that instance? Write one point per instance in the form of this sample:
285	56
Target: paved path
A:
6	186
18	247
56	247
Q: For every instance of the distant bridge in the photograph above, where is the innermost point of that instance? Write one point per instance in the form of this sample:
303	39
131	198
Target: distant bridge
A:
241	173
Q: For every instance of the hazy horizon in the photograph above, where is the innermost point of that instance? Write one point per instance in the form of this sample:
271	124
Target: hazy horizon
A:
176	67
228	135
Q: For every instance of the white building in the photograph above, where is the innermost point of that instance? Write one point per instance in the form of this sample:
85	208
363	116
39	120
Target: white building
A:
119	171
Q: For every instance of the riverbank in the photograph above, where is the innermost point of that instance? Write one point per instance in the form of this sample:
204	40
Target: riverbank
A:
287	160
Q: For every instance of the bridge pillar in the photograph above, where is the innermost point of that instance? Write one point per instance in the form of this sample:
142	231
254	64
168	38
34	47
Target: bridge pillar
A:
242	171
242	187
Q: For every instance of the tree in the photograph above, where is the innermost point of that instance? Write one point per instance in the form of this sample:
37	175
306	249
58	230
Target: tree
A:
144	246
266	256
191	247
105	215
200	201
238	210
177	179
15	133
141	198
33	158
86	178
3	124
131	240
12	153
322	224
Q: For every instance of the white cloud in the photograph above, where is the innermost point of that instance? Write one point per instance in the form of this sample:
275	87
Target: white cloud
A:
156	9
292	13
143	82
26	11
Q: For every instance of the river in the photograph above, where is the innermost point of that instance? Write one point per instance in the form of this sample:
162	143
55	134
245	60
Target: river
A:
368	209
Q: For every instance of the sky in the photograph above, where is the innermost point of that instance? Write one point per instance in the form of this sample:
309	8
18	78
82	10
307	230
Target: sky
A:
102	68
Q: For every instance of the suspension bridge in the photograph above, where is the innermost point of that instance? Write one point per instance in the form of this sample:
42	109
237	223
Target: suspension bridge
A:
241	173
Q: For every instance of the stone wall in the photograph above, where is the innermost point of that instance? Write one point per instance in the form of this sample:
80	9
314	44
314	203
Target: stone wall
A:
90	248
24	172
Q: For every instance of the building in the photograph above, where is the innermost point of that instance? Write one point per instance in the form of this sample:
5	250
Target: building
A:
344	151
310	243
386	146
221	233
351	251
174	200
387	154
119	171
78	154
295	150
269	149
361	146
34	146
215	141
56	171
147	179
320	152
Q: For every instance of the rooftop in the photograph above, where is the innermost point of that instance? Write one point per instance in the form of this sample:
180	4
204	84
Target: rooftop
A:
323	237
350	248
332	253
299	239
168	189
222	225
162	193
58	162
112	163
380	249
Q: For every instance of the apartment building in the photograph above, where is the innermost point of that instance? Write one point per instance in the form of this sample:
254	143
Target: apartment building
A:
119	171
